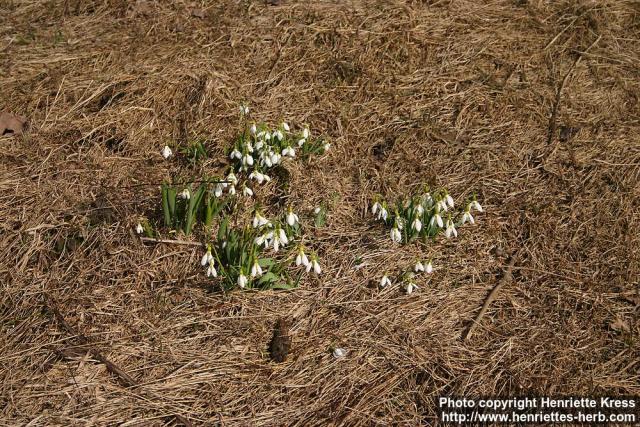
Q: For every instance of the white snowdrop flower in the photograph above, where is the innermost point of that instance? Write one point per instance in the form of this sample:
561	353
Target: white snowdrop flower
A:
249	146
395	235
232	190
285	126
242	280
278	134
259	220
256	270
436	219
317	210
218	191
235	154
185	194
259	144
258	176
244	110
467	217
301	142
451	229
211	270
375	207
265	159
275	158
475	205
339	353
267	135
399	222
449	200
410	288
428	268
419	210
292	218
383	213
326	147
139	228
253	129
207	257
265	178
314	265
246	191
232	178
301	258
247	159
428	200
305	132
442	205
385	281
166	152
419	267
417	224
289	151
279	239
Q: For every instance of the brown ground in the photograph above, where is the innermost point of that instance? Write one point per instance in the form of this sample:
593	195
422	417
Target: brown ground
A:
453	93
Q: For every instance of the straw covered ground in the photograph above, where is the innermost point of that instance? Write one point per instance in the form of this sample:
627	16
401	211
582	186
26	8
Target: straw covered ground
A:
532	105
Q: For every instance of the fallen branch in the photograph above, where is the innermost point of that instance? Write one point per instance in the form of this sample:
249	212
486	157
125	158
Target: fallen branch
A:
124	378
556	104
170	242
506	278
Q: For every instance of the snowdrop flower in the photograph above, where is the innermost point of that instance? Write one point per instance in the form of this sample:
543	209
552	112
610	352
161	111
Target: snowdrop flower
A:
207	257
247	160
317	210
449	200
383	213
185	194
256	270
451	229
326	146
428	268
264	239
301	142
232	178
411	287
232	190
418	267
475	205
442	205
428	200
289	151
285	126
339	353
267	135
139	228
265	159
436	219
314	265
385	281
376	206
249	146
417	224
246	191
166	152
399	221
259	144
467	217
275	158
242	280
218	191
244	110
211	270
279	239
259	220
278	134
305	132
235	154
292	218
301	258
395	235
253	129
419	210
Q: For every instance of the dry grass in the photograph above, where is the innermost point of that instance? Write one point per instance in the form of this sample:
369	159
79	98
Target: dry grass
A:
454	93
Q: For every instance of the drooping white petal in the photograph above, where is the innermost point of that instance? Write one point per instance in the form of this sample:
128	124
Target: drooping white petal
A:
166	152
139	228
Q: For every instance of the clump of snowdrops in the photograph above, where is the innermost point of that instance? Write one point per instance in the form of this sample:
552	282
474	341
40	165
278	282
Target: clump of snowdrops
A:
266	253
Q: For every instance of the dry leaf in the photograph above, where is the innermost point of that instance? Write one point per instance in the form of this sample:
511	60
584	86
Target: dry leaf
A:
198	13
620	324
11	123
281	342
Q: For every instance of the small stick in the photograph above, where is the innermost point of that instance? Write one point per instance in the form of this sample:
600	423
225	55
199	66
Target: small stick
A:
506	277
170	242
124	378
556	104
